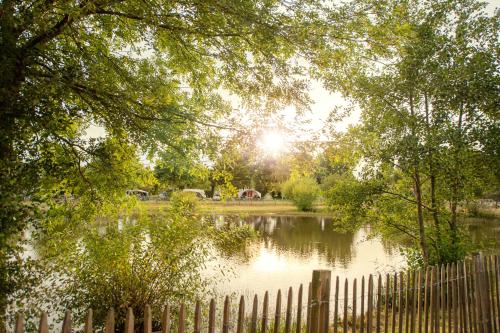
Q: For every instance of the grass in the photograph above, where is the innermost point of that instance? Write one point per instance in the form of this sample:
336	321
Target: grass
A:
487	213
261	207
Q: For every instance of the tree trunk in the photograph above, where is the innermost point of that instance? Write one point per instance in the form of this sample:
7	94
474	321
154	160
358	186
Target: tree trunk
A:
432	176
456	187
420	216
418	190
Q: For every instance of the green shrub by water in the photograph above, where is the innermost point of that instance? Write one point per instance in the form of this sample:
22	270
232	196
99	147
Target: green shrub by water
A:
302	191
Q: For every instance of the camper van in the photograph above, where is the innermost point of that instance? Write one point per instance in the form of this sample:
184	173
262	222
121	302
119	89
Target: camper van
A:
249	193
140	194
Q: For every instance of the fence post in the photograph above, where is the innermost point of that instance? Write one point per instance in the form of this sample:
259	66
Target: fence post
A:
320	301
483	293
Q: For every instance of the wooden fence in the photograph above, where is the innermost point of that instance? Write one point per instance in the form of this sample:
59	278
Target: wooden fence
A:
460	297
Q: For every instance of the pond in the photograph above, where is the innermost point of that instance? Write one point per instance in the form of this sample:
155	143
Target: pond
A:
286	251
289	248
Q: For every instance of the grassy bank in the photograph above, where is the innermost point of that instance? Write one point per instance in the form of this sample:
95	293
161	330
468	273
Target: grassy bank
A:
274	207
278	207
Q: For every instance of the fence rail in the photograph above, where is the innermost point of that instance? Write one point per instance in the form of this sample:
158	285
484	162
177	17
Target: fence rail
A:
456	298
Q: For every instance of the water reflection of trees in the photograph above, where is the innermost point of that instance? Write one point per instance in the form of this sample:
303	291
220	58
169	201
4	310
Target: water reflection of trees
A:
305	236
484	233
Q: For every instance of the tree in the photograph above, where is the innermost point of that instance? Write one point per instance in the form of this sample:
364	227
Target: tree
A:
152	73
428	116
339	157
303	191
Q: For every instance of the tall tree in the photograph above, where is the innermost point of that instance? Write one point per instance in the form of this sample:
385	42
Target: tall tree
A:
153	73
429	113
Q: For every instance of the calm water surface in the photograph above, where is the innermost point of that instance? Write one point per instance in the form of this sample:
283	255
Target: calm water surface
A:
290	248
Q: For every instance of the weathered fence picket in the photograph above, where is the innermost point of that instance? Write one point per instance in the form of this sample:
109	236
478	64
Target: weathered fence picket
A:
19	323
253	325
165	319
88	327
130	323
211	318
458	297
369	317
346	304
197	319
299	311
288	319
362	314
277	315
148	319
109	326
354	309
394	303
44	324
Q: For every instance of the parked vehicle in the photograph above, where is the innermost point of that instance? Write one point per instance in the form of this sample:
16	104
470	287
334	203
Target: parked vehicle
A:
200	194
249	193
216	196
140	194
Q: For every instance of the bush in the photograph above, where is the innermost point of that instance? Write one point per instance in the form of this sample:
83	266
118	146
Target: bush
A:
122	261
147	261
184	203
303	191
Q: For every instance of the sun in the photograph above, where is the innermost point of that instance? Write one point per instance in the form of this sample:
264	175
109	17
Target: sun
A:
273	143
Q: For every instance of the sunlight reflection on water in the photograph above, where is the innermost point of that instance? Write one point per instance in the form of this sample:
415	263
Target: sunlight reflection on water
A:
290	248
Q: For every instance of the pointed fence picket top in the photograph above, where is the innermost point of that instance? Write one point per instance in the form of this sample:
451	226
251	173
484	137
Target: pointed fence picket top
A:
109	326
453	298
288	319
299	311
226	315
211	317
148	320
265	307
197	317
66	327
241	315
129	321
165	319
277	314
88	327
19	323
181	322
255	305
43	326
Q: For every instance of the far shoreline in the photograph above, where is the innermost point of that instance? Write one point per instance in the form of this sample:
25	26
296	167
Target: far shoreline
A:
277	207
250	207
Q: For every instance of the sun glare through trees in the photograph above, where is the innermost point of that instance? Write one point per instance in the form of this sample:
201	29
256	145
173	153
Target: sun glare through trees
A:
168	151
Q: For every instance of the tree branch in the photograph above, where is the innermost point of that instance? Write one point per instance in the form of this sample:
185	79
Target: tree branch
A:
400	196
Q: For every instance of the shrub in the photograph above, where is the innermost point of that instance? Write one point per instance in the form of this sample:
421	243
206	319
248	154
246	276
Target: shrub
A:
184	203
303	191
145	261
